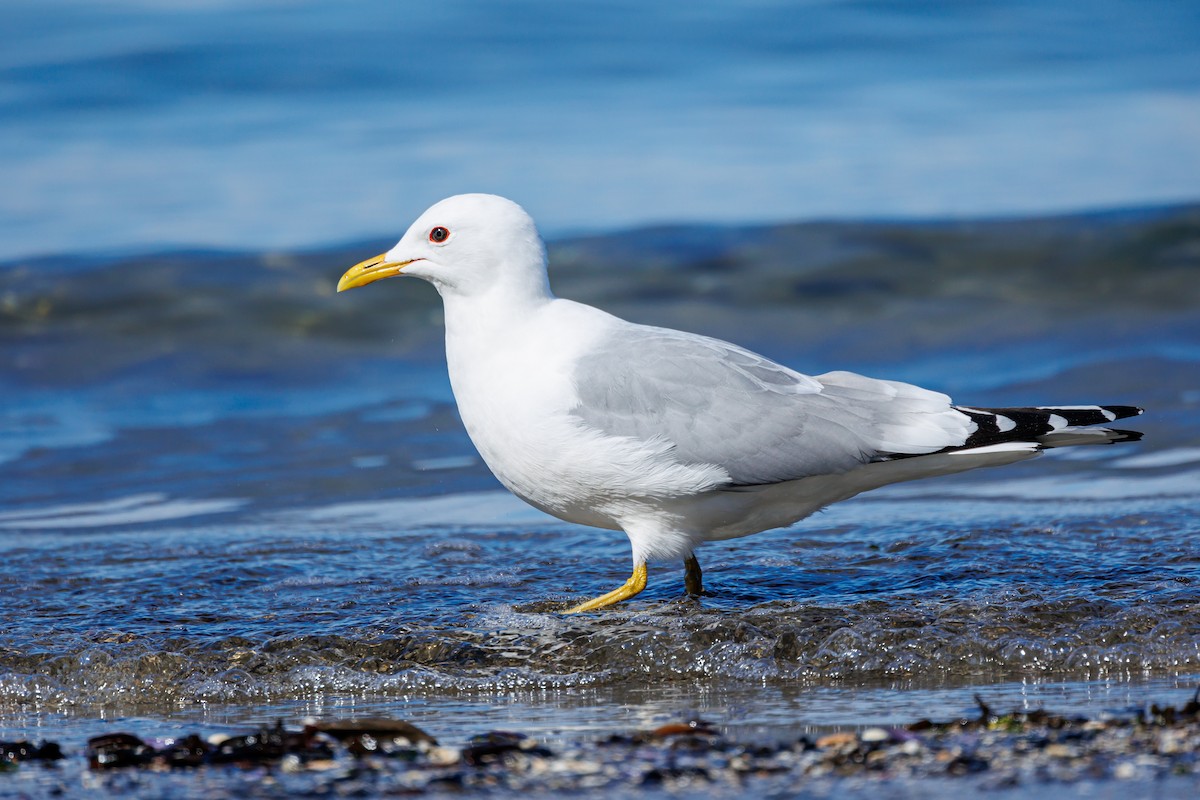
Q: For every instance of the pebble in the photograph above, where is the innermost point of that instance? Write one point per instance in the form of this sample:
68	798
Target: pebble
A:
874	735
1003	751
840	739
443	757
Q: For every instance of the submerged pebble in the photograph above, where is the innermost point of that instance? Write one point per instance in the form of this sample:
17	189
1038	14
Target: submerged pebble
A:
998	750
11	752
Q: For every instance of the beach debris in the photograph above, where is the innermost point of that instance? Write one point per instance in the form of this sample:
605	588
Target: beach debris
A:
190	751
11	752
266	745
386	737
116	750
269	744
996	750
498	746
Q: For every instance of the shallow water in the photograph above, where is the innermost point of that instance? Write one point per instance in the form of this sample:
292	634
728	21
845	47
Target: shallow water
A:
229	497
379	600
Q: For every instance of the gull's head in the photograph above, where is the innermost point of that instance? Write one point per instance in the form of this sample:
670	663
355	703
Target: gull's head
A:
464	245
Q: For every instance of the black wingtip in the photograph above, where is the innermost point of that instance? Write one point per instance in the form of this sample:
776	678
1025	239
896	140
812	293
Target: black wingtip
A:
1053	426
1122	412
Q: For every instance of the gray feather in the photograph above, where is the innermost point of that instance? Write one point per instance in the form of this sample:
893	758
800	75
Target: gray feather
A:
763	423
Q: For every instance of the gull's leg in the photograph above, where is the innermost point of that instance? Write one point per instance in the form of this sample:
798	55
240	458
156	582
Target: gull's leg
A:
635	584
693	577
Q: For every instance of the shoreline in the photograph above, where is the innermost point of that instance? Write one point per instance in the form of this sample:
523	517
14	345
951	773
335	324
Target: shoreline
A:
368	757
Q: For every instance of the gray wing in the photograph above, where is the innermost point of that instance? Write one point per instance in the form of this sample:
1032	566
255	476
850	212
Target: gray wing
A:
716	403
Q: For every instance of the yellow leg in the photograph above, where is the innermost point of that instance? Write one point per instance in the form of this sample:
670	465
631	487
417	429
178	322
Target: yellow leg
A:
635	584
693	577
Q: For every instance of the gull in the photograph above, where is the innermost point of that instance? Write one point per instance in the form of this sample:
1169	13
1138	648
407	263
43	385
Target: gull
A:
672	437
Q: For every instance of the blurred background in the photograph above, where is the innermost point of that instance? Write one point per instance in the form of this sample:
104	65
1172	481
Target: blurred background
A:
221	483
131	124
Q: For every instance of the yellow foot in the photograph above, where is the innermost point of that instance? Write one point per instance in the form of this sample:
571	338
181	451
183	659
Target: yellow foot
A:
693	578
635	584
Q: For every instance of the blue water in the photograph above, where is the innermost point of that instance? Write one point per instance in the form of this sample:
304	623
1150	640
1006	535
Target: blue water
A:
228	495
207	459
130	124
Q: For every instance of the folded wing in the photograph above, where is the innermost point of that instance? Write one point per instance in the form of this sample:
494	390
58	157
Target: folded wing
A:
715	403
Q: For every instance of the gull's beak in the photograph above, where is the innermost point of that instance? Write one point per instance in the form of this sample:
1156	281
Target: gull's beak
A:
371	270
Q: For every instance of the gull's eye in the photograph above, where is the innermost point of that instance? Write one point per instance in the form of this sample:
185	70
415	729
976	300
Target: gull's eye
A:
439	235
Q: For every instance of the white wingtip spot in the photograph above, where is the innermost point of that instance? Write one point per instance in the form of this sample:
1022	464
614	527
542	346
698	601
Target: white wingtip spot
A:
1004	423
1056	422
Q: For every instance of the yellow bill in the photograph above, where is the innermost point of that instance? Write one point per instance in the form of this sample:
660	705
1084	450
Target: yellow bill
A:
369	271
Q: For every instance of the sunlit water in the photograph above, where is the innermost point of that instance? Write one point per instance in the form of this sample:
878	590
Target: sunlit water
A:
230	497
132	124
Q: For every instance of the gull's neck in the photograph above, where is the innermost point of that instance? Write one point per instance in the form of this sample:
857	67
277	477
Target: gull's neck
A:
482	332
484	318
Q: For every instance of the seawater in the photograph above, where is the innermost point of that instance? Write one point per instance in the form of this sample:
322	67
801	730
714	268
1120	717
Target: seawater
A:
127	125
228	495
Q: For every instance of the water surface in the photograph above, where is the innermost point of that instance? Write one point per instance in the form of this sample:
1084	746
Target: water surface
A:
133	124
229	496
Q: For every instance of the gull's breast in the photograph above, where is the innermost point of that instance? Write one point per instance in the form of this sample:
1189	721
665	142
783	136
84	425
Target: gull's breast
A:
517	398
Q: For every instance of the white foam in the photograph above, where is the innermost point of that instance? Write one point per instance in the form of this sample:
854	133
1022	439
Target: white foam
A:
446	462
1074	487
128	510
467	508
1162	458
369	462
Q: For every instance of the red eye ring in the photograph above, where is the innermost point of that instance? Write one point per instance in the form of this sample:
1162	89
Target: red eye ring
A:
439	235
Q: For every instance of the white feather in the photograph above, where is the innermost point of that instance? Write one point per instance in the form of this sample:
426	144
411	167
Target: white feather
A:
672	437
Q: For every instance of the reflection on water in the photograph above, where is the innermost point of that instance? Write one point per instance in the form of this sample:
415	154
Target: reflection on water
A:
343	604
229	496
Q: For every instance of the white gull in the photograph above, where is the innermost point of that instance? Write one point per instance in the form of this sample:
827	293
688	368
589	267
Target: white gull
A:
672	437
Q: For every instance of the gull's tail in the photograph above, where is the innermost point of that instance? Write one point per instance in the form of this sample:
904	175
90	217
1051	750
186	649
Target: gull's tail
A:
1046	426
